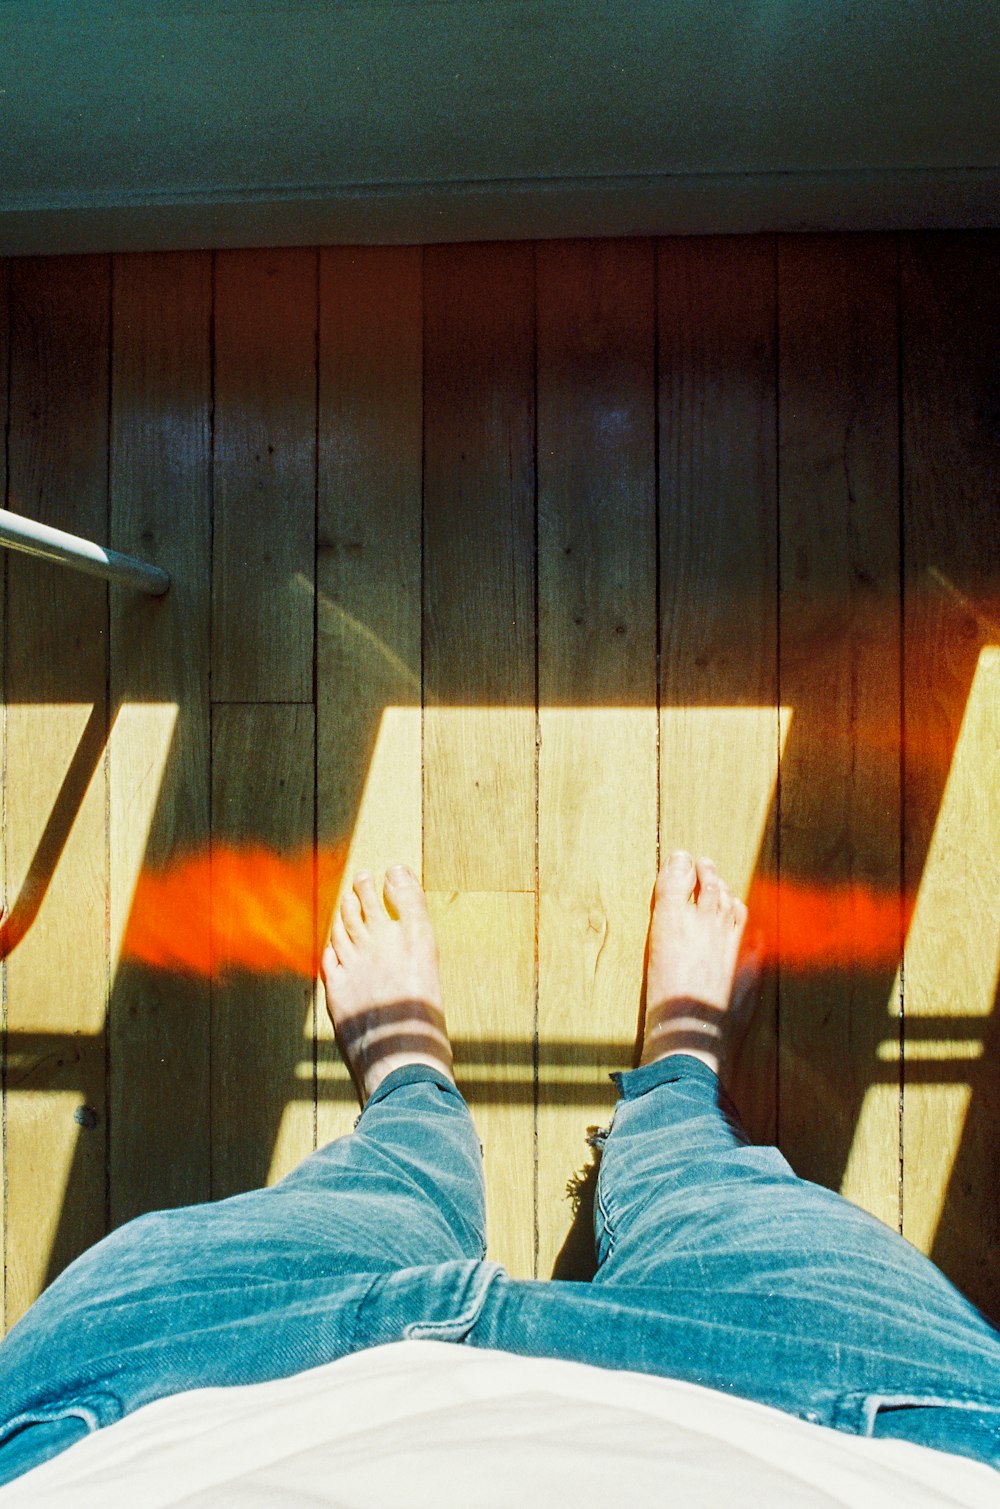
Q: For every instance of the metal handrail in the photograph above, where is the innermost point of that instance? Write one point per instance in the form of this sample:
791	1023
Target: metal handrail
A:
18	533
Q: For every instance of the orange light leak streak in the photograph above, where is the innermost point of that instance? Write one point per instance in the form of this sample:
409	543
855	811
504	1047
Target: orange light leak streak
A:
236	908
810	927
250	908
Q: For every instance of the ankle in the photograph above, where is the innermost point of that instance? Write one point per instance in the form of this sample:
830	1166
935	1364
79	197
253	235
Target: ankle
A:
392	1061
710	1060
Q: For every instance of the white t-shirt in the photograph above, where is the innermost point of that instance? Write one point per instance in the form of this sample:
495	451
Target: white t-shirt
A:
434	1425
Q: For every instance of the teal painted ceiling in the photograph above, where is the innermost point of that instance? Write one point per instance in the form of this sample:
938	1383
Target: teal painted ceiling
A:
279	120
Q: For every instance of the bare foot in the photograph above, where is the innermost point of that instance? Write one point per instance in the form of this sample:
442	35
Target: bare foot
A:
383	988
694	948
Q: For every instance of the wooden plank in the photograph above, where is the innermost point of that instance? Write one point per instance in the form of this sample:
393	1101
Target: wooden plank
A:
597	778
57	876
479	624
263	775
839	672
951	545
479	716
720	730
487	946
160	756
367	587
265	458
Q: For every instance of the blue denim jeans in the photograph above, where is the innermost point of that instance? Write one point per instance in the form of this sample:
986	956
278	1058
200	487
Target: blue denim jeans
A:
715	1264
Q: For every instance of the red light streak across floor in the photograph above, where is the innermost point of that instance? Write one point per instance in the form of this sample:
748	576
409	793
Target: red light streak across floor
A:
248	907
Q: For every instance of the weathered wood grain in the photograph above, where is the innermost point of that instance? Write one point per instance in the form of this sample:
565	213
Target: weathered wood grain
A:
597	780
368	678
56	777
839	673
720	730
951	807
160	756
479	679
264	475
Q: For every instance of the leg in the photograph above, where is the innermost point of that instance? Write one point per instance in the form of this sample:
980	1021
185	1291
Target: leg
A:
684	1201
379	1228
383	993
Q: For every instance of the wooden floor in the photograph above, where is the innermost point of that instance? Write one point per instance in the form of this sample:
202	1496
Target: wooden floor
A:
523	563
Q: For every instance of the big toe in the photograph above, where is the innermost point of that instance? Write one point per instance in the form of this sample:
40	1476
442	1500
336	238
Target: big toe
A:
675	882
405	893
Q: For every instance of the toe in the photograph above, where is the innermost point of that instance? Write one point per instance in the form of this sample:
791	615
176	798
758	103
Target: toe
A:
371	907
342	945
404	891
350	910
708	885
676	878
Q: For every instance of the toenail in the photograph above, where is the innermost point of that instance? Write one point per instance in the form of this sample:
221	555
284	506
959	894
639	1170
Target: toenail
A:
679	859
398	872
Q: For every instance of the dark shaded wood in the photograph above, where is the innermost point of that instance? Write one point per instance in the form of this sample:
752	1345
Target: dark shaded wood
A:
264	476
160	758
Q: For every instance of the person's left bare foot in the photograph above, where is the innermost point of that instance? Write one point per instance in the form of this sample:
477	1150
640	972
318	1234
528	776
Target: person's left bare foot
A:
383	986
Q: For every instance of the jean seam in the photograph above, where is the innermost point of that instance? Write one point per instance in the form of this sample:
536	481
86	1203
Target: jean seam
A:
79	1409
425	1075
872	1400
606	1220
426	1329
669	1071
440	1080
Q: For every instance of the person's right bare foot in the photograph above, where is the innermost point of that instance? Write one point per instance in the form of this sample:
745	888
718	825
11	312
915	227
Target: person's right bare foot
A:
694	946
383	987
